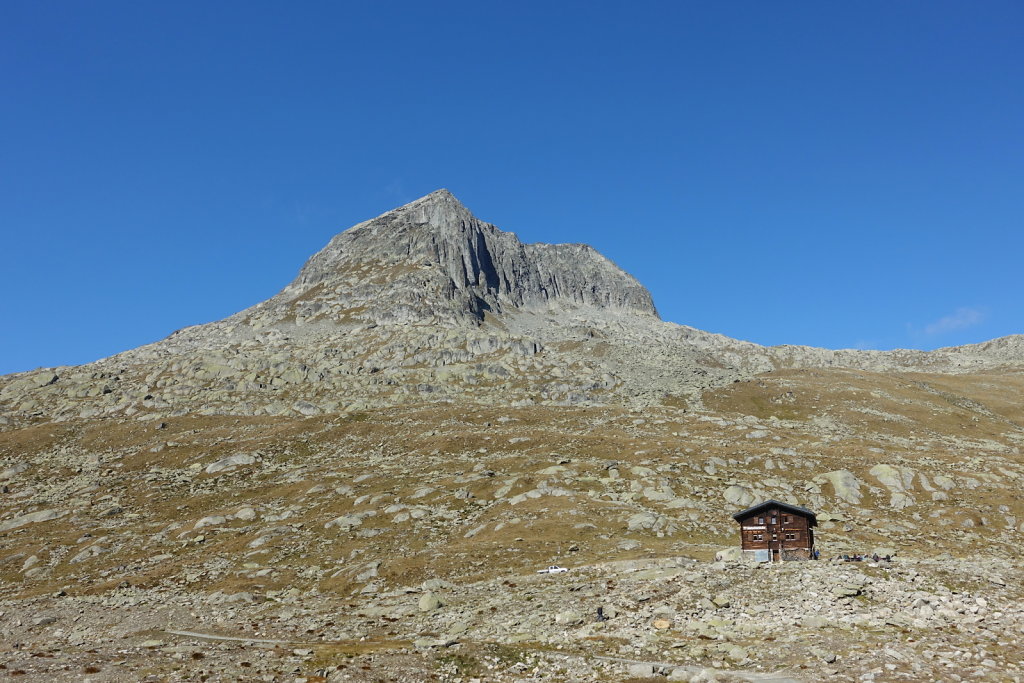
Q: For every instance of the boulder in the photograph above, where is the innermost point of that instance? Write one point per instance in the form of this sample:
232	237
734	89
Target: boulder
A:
640	670
650	521
429	602
427	643
230	462
736	653
246	514
569	617
739	496
733	554
845	485
213	520
13	471
31	518
846	590
345	522
892	477
900	500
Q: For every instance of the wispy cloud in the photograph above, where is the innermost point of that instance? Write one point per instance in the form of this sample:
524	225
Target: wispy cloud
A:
960	319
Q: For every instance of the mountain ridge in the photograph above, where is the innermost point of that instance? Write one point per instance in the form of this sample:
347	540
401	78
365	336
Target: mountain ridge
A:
426	300
487	269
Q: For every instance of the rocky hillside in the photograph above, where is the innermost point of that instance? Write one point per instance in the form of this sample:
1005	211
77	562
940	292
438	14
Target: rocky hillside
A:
358	479
403	542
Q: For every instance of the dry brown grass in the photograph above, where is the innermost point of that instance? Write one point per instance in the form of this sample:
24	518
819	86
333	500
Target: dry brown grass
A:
933	423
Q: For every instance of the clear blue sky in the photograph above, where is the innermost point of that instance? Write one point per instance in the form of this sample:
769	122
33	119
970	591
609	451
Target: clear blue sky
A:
833	174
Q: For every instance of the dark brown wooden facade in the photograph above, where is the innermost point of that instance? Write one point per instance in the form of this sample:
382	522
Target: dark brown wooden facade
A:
784	531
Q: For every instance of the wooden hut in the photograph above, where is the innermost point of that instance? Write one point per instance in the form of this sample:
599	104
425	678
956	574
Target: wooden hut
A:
775	531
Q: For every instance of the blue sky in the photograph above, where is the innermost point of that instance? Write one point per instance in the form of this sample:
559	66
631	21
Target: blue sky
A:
832	174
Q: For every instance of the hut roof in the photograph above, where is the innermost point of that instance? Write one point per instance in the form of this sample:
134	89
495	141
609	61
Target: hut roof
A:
777	503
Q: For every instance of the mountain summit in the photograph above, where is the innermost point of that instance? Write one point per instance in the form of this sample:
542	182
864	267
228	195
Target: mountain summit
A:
431	261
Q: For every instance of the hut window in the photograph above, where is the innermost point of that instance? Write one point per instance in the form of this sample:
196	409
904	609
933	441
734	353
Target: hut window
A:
760	520
775	520
758	537
790	537
775	537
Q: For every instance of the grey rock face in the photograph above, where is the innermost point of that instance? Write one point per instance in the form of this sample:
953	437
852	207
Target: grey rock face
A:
442	261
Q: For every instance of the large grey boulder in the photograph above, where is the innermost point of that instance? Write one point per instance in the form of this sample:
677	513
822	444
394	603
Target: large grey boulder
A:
892	477
230	462
739	496
430	601
640	670
13	471
899	481
845	485
734	554
31	518
345	522
569	617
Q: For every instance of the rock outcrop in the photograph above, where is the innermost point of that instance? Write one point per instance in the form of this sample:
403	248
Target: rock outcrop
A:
432	261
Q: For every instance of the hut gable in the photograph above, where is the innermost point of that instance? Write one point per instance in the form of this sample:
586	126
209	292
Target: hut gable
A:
780	531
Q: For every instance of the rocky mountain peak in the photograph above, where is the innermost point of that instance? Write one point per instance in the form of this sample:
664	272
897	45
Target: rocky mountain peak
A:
440	209
432	261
